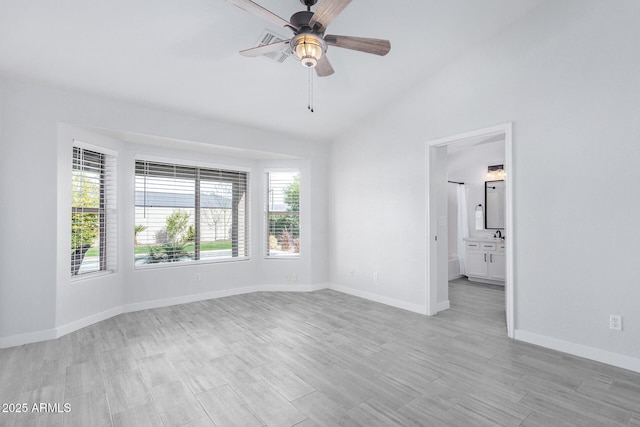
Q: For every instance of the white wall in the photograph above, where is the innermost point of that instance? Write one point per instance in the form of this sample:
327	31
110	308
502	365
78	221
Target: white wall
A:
37	298
567	77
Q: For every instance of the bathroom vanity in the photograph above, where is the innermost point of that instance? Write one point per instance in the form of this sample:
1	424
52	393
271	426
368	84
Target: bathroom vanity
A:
486	260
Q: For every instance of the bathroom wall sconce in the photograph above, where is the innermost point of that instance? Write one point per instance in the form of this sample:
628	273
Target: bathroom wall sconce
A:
495	173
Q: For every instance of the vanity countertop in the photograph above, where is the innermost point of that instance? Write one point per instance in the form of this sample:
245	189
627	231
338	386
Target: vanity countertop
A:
484	239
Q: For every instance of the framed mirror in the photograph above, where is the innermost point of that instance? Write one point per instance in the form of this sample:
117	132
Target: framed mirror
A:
494	202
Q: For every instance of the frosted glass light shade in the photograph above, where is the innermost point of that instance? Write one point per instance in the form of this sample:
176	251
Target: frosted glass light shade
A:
308	49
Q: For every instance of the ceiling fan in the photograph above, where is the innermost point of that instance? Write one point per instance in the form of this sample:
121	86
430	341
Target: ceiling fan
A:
309	43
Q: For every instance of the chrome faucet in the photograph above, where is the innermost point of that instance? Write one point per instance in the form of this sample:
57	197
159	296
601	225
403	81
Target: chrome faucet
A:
497	234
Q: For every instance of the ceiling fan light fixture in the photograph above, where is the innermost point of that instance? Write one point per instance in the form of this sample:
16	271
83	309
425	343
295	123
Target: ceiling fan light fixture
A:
308	48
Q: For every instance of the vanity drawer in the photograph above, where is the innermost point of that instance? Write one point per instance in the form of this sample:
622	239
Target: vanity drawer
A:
488	246
473	245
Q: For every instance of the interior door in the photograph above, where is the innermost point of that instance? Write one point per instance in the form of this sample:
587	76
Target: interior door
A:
439	215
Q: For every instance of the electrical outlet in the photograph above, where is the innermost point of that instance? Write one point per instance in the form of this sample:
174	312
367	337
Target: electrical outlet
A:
197	277
376	277
615	322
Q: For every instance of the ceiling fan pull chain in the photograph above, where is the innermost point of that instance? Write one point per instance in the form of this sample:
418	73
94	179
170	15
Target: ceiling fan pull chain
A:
310	103
309	91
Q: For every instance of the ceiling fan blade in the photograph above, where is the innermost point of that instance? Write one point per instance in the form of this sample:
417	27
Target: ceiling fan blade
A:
362	44
326	12
261	50
260	11
323	67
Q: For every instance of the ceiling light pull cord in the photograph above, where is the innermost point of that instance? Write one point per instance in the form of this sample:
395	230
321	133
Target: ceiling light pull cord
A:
310	103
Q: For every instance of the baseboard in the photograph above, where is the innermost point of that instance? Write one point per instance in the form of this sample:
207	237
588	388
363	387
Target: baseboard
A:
445	305
50	334
185	299
293	288
487	281
599	355
416	308
27	338
87	321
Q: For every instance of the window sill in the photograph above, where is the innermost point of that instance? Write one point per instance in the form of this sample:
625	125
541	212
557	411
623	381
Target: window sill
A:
189	263
89	276
283	257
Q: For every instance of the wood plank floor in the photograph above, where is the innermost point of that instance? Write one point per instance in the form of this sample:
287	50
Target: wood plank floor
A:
311	359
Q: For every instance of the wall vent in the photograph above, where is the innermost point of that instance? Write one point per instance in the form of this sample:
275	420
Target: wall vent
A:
267	38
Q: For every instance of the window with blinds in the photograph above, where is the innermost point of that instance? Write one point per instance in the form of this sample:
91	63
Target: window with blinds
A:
282	214
93	212
186	213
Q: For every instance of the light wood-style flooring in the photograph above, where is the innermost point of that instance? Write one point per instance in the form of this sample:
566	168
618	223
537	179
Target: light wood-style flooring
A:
311	359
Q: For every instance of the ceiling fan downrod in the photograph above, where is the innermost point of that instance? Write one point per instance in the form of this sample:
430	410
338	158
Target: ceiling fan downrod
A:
308	3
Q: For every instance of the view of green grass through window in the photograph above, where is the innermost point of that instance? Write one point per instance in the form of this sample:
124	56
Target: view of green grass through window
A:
186	213
283	213
92	223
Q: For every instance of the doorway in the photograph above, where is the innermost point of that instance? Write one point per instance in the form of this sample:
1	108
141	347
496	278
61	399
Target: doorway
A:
437	227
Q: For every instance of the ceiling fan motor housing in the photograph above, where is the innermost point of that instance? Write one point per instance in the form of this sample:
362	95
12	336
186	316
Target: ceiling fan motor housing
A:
301	20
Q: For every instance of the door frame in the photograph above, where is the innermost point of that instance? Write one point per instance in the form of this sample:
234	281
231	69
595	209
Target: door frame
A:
506	130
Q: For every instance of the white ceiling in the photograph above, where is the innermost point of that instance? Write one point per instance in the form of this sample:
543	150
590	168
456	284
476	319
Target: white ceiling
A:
183	54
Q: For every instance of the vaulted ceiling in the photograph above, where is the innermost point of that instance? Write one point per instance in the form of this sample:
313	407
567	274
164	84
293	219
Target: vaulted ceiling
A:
183	55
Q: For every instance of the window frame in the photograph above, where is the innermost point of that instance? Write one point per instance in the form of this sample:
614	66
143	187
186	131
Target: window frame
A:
267	214
106	210
198	168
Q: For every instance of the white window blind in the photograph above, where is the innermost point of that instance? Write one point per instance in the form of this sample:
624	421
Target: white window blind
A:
93	212
282	214
186	213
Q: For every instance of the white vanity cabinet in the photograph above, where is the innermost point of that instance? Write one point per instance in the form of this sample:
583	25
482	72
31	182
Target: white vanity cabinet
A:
486	260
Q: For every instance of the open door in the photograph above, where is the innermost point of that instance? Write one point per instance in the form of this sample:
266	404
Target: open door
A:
437	294
438	218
